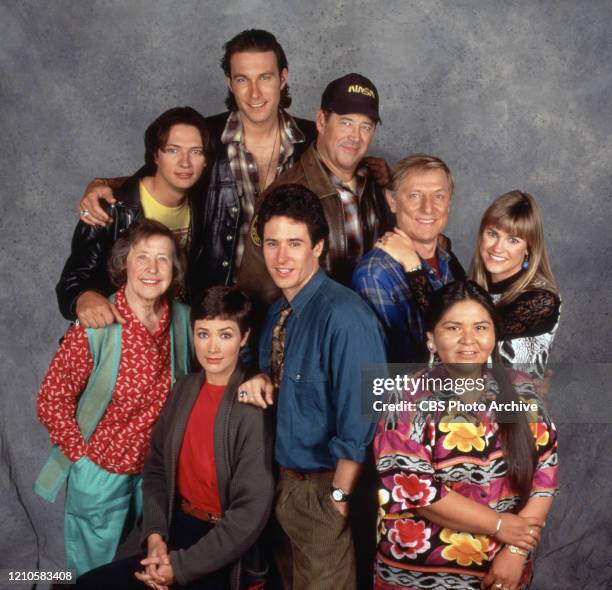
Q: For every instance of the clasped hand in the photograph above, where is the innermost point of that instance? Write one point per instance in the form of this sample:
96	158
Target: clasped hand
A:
521	531
158	572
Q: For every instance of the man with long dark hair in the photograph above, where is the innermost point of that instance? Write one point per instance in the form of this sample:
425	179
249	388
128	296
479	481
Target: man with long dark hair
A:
178	148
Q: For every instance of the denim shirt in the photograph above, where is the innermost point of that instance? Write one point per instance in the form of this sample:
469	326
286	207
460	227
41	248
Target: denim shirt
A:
331	334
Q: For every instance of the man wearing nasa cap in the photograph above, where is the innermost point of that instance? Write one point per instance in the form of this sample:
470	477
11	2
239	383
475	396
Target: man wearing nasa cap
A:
354	204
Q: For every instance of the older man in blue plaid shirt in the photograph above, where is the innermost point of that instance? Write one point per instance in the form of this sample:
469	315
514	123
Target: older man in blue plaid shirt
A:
397	276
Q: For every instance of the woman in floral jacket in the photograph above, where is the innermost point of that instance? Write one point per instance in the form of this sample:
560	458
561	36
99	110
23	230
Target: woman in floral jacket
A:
469	472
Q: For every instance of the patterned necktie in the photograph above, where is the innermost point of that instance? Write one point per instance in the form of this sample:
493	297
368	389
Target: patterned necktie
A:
277	356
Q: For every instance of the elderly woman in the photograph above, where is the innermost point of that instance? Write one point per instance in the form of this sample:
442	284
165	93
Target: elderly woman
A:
207	482
466	487
104	391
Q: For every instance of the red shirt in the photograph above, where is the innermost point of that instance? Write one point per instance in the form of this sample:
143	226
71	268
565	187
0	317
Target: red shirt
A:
197	470
120	442
433	262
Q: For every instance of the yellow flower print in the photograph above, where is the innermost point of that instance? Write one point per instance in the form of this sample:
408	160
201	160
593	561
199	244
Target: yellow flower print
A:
464	436
464	548
381	529
540	433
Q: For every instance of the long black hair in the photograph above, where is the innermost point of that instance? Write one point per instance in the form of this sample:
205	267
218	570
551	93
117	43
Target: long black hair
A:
515	434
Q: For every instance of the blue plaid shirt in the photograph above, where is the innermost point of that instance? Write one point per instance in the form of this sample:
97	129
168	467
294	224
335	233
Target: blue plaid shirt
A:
385	286
331	335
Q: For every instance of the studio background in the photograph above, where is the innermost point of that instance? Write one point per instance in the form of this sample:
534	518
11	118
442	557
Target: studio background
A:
510	94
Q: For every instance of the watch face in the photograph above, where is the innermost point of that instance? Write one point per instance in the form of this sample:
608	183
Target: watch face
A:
337	495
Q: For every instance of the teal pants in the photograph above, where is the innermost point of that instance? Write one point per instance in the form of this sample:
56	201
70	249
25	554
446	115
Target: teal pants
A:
100	510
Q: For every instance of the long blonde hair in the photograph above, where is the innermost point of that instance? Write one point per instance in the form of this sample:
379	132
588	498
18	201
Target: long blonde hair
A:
517	213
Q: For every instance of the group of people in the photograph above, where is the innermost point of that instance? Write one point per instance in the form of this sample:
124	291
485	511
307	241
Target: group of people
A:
285	239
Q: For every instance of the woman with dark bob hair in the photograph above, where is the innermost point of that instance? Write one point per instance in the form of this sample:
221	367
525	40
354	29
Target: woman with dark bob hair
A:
469	473
207	481
104	392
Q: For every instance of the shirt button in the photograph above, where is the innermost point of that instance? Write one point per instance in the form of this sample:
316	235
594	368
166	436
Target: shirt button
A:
153	348
225	264
250	165
234	209
298	377
229	237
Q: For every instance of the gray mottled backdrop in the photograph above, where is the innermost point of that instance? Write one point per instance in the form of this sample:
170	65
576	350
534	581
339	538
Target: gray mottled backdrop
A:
511	94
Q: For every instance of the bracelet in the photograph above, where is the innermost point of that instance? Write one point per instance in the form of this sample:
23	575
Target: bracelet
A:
517	550
498	527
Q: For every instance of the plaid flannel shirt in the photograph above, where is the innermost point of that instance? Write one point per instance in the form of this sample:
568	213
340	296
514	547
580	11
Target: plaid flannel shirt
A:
244	167
385	286
353	225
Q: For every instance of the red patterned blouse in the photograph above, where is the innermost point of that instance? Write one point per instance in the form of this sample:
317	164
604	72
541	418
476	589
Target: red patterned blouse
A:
121	439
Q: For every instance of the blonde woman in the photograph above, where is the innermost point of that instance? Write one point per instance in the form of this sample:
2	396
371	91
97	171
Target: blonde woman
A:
511	263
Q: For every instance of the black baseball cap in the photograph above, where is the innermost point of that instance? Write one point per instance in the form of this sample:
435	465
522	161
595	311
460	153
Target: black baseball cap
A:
352	93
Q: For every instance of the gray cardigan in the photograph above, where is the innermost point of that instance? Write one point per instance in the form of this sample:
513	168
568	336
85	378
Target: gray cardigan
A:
243	442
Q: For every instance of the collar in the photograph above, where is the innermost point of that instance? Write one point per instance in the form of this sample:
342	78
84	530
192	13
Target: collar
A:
307	292
129	192
289	130
361	174
442	256
503	286
132	321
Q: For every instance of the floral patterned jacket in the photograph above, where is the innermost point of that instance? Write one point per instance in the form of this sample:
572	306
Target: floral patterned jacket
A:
420	456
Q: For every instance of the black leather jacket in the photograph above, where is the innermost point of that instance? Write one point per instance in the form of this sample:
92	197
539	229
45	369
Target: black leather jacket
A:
222	214
85	269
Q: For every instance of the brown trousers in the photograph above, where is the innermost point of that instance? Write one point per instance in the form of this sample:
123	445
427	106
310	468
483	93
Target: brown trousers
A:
317	551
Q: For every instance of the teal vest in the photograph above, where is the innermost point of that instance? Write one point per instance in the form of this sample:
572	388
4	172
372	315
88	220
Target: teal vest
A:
105	348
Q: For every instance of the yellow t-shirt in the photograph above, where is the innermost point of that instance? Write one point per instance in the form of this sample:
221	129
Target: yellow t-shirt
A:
176	219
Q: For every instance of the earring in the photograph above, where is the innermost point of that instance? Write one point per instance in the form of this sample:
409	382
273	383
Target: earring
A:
432	355
525	264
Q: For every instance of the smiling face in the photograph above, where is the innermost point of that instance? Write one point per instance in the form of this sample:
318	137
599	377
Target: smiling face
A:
290	256
464	334
149	269
502	253
256	84
343	141
181	161
217	345
421	204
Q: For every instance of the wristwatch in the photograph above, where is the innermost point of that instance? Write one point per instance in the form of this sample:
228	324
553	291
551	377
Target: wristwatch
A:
339	495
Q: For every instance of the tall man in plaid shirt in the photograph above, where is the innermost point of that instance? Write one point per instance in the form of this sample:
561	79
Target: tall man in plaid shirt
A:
333	169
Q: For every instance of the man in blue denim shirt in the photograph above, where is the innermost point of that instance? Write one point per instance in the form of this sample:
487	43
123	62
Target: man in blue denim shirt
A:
330	334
